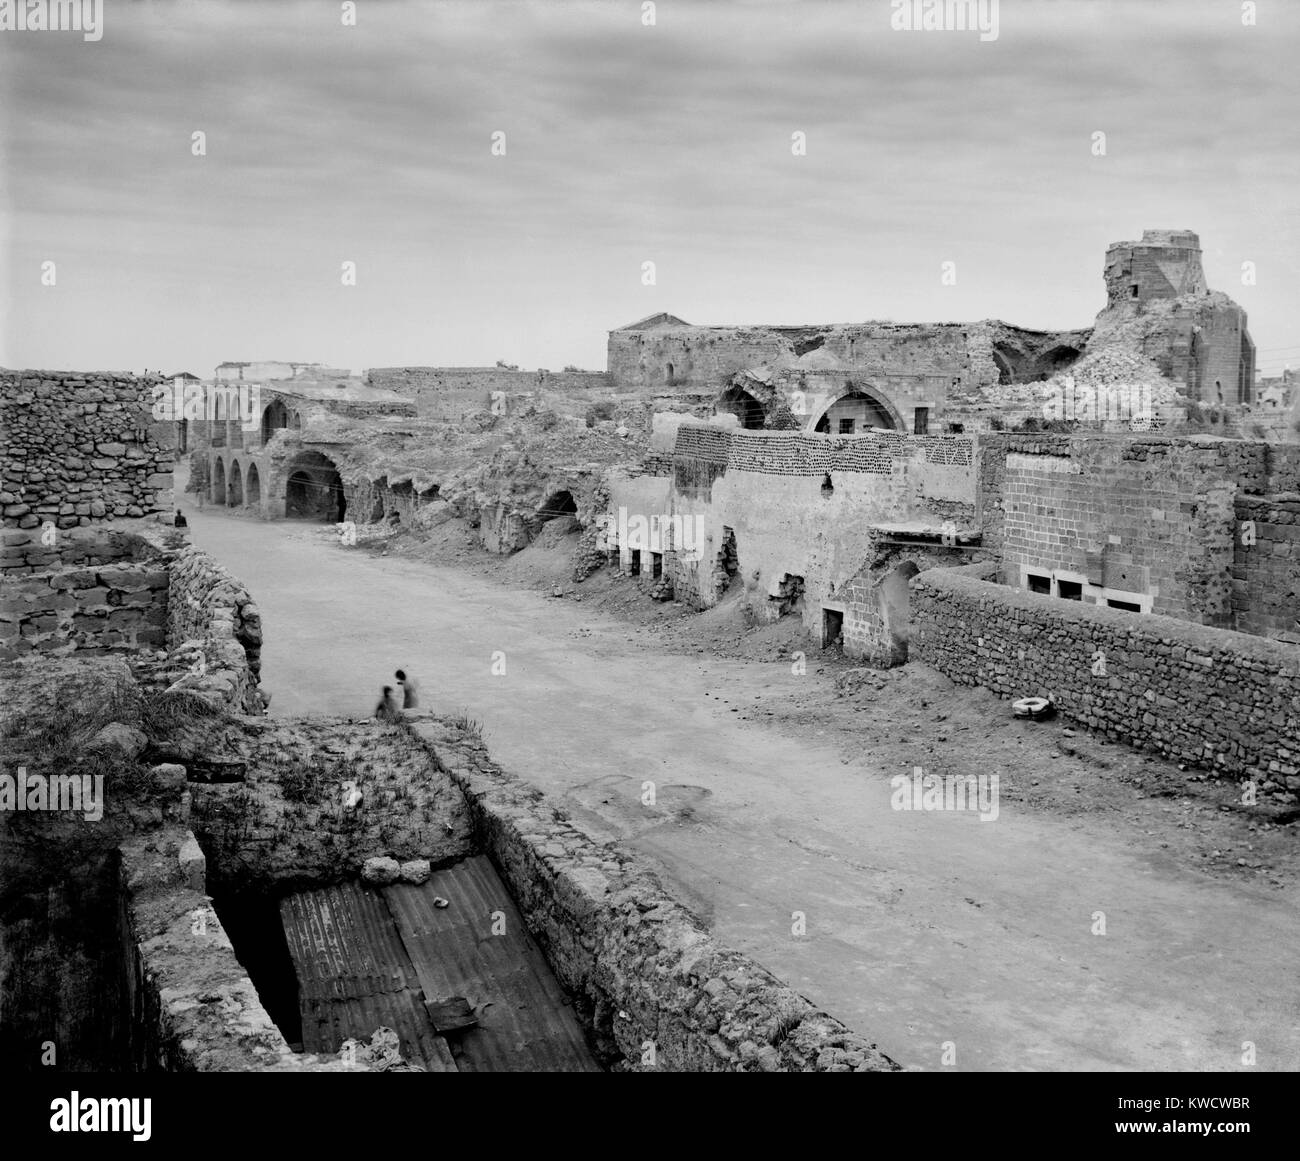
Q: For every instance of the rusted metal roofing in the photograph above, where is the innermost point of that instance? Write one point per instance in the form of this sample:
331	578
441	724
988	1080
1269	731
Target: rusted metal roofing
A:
366	959
526	1023
354	974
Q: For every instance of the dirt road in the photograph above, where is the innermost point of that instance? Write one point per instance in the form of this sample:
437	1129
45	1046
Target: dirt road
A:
951	941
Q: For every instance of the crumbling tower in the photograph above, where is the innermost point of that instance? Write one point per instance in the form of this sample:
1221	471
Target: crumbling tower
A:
1158	301
1165	264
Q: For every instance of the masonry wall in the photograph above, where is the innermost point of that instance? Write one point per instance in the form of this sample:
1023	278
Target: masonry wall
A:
704	356
79	449
1195	694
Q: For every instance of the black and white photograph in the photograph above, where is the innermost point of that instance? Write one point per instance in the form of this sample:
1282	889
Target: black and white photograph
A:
649	536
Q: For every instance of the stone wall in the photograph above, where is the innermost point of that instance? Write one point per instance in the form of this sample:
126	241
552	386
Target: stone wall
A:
207	604
93	610
81	448
640	967
1266	566
452	392
1204	696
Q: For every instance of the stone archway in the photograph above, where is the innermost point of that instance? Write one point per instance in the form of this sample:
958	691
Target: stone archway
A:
217	493
314	489
858	409
253	487
556	504
275	417
235	495
740	403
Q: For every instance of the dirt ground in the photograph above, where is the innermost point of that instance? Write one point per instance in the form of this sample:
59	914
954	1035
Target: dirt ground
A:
1195	817
1113	917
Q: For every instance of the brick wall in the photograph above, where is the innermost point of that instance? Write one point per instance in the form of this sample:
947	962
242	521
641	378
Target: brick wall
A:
80	448
1205	696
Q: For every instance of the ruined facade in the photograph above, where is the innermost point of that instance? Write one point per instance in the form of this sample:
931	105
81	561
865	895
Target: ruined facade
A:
935	378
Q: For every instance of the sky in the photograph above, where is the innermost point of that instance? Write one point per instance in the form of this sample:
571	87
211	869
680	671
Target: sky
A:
625	143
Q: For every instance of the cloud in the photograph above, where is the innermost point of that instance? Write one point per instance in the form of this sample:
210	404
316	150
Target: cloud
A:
624	143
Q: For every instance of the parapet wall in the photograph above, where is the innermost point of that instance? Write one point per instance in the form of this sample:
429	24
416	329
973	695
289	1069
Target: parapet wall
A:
1204	696
80	448
639	965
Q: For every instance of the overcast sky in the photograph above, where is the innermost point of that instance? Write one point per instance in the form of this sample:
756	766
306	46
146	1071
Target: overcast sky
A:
624	144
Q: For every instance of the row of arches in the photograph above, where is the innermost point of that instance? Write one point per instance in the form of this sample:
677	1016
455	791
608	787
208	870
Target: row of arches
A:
238	489
275	415
313	488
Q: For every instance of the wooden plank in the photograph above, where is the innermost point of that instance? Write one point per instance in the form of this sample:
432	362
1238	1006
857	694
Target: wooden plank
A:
479	948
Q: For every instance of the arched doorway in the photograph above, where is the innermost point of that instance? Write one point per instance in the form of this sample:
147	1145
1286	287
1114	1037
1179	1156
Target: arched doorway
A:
218	491
236	495
740	403
314	490
253	487
557	504
855	412
275	416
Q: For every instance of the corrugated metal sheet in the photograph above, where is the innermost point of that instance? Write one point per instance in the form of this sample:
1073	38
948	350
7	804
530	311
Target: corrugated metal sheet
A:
354	974
525	1021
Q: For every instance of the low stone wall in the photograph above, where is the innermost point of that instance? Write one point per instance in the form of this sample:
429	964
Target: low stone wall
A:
95	610
206	603
193	1006
1209	697
642	970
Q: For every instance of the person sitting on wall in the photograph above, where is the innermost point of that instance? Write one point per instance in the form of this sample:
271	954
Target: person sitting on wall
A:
410	690
387	710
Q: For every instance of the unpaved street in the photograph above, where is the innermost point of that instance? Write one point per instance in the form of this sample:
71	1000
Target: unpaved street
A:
922	929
